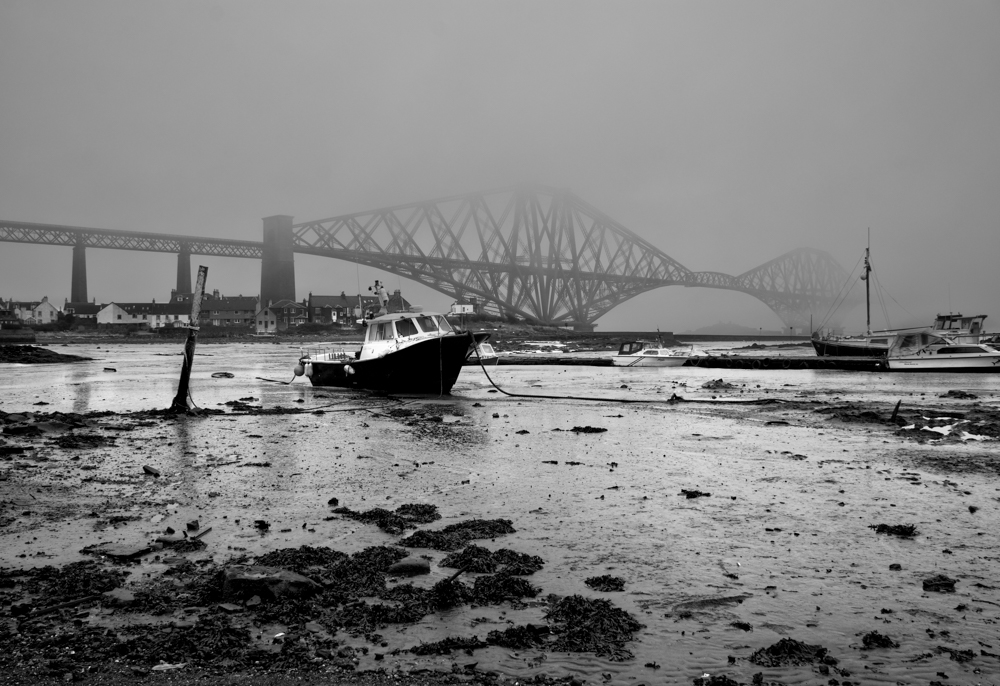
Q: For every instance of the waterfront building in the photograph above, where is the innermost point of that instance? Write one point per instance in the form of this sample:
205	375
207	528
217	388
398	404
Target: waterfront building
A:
144	315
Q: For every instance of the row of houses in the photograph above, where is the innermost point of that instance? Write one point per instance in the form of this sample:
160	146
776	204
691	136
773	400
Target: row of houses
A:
217	310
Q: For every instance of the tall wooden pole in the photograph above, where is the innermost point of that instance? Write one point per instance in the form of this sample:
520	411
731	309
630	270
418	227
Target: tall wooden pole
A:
180	400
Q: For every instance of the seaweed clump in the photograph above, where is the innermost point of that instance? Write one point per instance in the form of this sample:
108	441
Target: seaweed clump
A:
496	588
519	637
404	517
454	536
72	581
588	625
788	651
475	558
901	530
302	558
874	639
606	583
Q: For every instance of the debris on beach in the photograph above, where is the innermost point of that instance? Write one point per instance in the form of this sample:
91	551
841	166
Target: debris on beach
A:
788	651
455	536
587	625
874	639
605	583
901	530
475	558
940	584
404	517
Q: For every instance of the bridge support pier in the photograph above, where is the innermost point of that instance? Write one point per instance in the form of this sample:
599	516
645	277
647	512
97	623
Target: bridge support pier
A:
277	264
184	269
78	283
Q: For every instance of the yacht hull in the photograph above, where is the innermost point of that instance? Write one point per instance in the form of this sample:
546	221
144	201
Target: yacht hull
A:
970	363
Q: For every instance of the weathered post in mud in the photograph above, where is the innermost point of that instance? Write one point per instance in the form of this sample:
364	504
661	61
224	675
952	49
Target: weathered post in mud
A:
180	400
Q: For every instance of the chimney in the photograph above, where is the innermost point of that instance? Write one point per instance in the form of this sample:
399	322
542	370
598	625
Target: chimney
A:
154	301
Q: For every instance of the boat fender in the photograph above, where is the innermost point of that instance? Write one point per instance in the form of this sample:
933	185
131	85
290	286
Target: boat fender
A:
755	364
786	364
299	369
309	369
349	369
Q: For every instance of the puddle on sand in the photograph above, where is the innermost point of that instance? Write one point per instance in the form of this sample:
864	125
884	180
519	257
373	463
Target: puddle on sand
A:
785	526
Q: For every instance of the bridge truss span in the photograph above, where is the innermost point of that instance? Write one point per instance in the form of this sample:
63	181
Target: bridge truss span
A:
545	254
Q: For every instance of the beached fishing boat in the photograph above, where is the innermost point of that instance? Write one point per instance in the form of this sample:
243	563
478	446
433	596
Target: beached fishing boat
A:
406	352
646	354
403	352
927	352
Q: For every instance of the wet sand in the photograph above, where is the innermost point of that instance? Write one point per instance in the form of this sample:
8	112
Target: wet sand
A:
780	547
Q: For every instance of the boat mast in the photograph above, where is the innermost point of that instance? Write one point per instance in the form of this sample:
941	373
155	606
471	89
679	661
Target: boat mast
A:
868	300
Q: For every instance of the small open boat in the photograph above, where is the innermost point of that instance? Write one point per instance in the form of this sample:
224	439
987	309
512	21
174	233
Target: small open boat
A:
646	354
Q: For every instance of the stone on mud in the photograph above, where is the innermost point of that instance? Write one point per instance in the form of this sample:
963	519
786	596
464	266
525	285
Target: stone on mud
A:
119	597
940	584
412	566
268	582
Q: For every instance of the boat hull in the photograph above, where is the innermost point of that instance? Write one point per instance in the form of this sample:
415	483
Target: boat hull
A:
648	361
972	363
428	367
849	349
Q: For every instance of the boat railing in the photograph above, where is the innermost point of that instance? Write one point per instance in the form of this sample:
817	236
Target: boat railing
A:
330	352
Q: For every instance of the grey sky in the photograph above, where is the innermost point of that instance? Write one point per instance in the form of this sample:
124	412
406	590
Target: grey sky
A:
726	133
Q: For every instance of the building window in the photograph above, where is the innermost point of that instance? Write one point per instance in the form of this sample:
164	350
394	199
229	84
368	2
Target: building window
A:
119	316
143	317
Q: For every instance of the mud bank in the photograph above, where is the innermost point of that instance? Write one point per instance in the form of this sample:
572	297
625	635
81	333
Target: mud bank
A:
30	354
803	537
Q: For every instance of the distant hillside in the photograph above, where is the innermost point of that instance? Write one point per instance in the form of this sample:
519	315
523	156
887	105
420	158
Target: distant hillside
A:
730	329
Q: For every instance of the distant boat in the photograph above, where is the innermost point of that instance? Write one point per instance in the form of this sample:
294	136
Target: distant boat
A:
927	352
957	327
646	354
484	355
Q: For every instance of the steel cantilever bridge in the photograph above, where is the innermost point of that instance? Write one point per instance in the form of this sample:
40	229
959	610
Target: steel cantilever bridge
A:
530	251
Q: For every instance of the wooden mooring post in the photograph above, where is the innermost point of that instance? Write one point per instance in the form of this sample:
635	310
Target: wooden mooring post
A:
180	403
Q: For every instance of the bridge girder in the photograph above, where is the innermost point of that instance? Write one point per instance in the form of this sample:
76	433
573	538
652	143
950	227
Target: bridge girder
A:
530	251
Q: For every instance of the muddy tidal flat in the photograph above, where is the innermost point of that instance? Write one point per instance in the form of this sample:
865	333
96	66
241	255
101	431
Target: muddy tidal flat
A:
752	527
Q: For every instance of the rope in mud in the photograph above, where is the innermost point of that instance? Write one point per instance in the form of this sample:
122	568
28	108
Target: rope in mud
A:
674	398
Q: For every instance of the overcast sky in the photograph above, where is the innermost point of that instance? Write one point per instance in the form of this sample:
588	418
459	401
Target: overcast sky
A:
726	133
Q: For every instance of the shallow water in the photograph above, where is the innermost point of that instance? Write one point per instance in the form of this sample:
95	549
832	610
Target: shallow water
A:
793	527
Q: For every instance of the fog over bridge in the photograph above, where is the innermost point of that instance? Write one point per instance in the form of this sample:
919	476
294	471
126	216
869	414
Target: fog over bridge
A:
529	251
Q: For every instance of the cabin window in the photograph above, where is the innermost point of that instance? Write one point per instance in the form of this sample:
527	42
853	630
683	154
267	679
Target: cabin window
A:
405	327
879	341
651	352
959	349
443	324
426	324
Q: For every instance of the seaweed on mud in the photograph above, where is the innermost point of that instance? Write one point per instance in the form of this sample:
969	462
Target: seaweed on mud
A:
901	530
212	638
449	593
496	588
447	645
588	625
874	639
475	558
743	626
519	637
957	655
362	574
715	680
75	580
82	441
606	583
405	517
360	618
302	558
455	536
788	651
